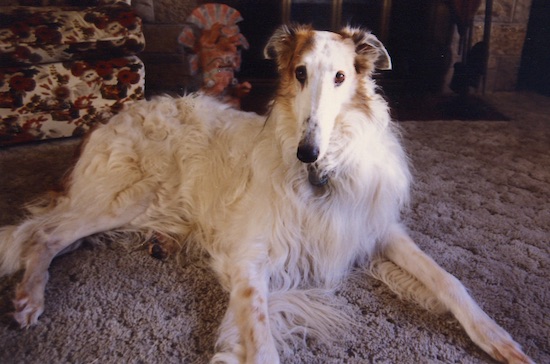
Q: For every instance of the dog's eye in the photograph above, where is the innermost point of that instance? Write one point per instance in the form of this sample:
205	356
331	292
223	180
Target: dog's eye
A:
339	78
301	74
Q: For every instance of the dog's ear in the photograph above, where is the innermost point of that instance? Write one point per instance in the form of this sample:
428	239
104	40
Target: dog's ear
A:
283	42
278	43
371	53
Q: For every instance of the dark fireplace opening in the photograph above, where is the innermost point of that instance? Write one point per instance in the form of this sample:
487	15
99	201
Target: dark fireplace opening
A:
535	61
417	35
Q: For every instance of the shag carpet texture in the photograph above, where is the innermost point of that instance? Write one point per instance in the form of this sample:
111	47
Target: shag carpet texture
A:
480	207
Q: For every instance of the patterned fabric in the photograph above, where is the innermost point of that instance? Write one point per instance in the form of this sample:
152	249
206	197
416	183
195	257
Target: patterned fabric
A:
30	35
65	99
64	69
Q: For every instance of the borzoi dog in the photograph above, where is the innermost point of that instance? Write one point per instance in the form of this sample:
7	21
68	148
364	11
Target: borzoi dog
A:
283	206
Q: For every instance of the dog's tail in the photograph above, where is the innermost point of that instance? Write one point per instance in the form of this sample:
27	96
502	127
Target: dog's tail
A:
405	285
296	315
313	313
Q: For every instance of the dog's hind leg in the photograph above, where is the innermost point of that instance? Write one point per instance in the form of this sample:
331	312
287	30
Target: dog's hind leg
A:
55	232
82	212
489	336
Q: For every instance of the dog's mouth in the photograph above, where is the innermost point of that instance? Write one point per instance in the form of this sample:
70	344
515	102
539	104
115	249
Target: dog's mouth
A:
316	177
308	154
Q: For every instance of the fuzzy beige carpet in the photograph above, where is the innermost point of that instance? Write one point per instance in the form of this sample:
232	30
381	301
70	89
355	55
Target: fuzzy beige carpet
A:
481	208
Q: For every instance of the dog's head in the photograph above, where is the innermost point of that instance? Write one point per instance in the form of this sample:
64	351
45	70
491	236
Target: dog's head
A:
320	73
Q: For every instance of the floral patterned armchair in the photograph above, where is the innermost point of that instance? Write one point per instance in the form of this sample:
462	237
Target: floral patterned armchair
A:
64	68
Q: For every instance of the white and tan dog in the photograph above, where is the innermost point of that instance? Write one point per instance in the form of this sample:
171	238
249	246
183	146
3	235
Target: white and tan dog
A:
283	206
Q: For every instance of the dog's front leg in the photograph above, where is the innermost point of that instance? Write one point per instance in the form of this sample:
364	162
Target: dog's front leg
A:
248	310
486	333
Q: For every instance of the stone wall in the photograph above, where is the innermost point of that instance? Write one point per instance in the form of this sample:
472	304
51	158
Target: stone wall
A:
166	66
173	11
508	30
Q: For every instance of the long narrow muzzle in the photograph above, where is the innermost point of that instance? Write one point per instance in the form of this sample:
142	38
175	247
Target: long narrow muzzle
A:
308	148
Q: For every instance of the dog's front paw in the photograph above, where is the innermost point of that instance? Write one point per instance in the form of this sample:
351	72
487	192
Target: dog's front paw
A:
499	344
27	309
510	352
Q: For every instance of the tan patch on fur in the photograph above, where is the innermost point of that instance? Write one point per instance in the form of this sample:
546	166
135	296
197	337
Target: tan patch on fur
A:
290	52
366	52
248	292
361	96
304	41
288	57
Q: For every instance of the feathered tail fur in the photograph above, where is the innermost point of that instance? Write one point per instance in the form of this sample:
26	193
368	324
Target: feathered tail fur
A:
405	285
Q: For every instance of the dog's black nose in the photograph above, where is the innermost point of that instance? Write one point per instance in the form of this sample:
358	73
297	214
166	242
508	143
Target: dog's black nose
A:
307	153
